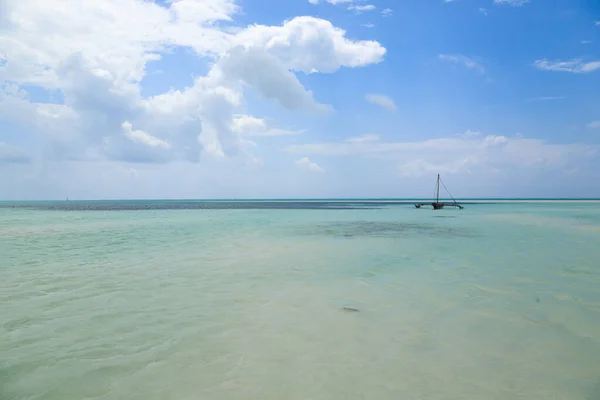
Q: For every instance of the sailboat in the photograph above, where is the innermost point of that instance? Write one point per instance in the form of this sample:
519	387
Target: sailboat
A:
437	205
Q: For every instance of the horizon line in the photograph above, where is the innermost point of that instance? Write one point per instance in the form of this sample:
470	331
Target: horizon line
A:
304	199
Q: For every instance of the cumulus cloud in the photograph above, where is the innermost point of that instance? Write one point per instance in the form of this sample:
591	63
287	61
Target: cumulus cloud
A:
263	71
309	45
382	101
95	55
305	162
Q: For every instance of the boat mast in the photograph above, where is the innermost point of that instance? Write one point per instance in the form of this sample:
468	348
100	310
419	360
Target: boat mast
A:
437	192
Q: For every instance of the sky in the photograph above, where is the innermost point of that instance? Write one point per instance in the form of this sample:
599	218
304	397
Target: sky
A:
118	99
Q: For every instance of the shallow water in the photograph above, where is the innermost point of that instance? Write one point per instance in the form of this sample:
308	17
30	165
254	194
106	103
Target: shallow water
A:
497	301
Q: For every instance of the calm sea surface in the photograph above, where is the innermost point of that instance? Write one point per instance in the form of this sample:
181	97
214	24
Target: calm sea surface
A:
351	300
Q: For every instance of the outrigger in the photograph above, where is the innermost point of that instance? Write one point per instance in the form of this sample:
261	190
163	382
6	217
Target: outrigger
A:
437	205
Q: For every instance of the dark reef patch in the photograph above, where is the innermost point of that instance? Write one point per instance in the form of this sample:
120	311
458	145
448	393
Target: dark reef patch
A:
140	205
384	229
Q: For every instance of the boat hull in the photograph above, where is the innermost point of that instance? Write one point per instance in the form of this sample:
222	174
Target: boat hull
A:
439	206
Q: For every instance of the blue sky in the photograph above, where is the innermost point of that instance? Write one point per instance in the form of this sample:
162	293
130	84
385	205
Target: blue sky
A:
298	98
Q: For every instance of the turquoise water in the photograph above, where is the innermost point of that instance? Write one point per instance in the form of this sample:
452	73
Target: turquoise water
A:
497	301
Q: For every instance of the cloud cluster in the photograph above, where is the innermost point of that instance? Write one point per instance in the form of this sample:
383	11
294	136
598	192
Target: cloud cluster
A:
93	58
77	75
354	5
452	155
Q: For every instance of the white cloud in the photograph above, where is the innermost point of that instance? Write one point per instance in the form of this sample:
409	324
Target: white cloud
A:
364	138
95	54
576	66
247	125
198	11
352	4
586	42
463	60
456	154
142	137
594	125
483	11
382	101
546	98
387	12
263	71
368	25
310	45
514	3
305	162
51	119
109	41
358	9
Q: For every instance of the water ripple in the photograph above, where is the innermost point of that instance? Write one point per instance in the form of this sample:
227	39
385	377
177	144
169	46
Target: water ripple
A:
245	304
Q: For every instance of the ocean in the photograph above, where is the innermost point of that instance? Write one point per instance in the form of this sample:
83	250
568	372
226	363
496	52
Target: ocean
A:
335	299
